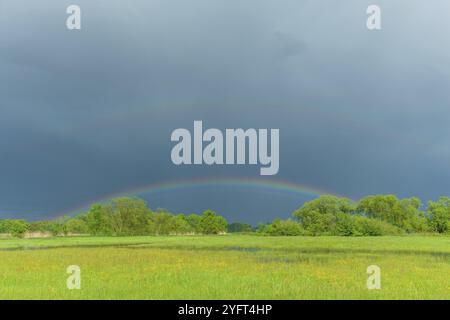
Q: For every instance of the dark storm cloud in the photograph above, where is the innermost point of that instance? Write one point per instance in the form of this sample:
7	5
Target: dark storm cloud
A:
88	113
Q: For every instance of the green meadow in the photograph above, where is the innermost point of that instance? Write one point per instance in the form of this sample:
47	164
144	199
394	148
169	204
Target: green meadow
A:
226	267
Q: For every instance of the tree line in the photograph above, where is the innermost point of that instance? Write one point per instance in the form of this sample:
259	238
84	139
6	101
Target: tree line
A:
375	215
326	215
122	217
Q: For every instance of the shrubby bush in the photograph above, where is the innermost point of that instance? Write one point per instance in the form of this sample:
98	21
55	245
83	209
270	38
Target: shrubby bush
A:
284	228
353	225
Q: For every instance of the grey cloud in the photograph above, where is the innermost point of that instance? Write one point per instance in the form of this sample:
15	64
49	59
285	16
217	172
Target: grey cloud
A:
89	113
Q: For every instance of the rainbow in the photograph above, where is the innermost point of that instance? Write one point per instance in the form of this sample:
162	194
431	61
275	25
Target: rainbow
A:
261	184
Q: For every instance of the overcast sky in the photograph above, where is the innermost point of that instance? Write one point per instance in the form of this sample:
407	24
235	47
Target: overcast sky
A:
88	113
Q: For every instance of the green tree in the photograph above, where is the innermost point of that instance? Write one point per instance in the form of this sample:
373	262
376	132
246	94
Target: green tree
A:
128	216
77	225
98	221
194	222
161	220
180	225
211	223
319	216
346	225
439	213
402	213
41	226
15	227
260	228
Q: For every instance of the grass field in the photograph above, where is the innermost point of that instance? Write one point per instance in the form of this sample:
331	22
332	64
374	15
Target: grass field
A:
226	267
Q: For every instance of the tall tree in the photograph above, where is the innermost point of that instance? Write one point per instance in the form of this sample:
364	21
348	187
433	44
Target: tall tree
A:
211	223
319	216
403	213
439	213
